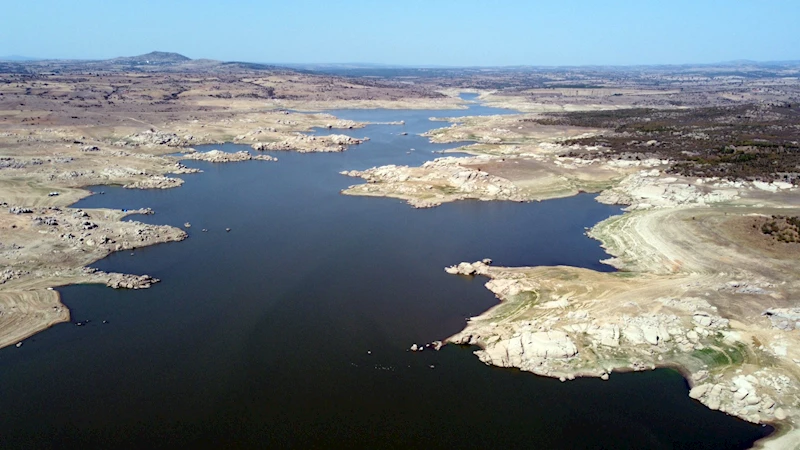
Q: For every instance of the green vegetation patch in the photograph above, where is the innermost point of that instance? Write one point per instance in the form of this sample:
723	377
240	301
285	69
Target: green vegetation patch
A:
712	357
722	356
624	274
515	305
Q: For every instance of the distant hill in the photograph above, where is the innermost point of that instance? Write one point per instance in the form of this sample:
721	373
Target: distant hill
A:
155	58
149	62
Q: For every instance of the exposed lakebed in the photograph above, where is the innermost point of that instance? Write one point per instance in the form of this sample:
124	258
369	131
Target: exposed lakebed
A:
292	328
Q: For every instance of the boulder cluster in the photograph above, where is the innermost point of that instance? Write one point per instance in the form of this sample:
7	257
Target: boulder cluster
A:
306	144
125	281
218	156
740	397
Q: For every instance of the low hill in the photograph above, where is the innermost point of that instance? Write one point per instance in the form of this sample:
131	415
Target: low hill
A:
156	58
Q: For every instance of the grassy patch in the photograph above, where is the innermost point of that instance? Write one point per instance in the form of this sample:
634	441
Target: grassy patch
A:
711	357
623	274
722	356
737	354
448	190
516	305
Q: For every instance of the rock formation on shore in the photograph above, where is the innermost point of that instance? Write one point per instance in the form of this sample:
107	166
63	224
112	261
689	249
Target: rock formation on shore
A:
435	182
155	182
671	307
49	246
304	143
155	138
126	281
218	156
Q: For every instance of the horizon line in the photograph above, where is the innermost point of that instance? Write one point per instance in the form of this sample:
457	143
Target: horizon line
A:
16	58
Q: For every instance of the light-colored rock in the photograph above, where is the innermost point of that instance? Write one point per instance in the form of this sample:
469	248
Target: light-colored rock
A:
305	143
699	391
155	182
125	281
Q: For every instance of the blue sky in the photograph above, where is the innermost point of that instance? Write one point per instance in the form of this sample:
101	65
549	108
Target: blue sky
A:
412	32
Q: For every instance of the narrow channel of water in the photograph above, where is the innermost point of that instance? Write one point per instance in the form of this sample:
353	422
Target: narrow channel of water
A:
292	329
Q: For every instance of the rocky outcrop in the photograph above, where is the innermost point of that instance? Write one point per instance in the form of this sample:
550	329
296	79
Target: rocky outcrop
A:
441	180
124	281
529	350
51	248
155	182
100	232
786	319
155	138
649	189
217	156
306	144
181	169
566	322
743	396
465	268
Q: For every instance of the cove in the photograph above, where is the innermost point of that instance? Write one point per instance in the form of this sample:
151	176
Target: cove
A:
291	330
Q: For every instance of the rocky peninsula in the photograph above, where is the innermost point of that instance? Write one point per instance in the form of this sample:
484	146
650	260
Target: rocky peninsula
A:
704	285
707	279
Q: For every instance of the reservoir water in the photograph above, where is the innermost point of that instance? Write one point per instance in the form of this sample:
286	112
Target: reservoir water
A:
291	330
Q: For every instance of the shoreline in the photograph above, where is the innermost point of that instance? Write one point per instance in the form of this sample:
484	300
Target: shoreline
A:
161	166
31	302
48	170
645	190
512	160
483	331
62	314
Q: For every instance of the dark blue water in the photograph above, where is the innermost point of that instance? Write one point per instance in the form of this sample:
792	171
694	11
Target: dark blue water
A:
291	330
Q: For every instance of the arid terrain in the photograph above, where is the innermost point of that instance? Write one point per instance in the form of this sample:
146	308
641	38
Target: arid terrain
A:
706	160
707	253
66	125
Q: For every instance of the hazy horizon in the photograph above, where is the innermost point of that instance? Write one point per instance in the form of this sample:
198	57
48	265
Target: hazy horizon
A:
26	58
409	34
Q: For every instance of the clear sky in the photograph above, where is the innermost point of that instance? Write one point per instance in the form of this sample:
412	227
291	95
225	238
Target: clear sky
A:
408	32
